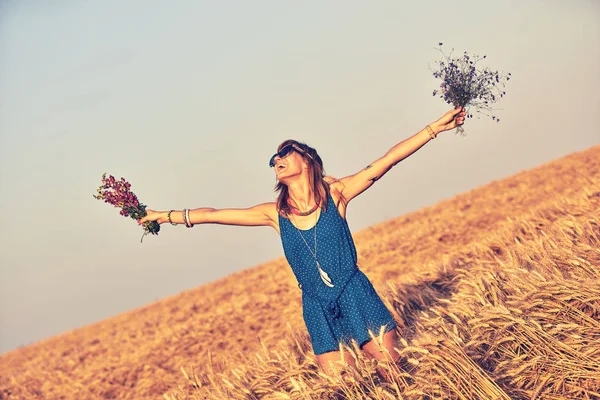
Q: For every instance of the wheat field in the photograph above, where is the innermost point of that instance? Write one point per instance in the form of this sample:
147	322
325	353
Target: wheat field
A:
496	293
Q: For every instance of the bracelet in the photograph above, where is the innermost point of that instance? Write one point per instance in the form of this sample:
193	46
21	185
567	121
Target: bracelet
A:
183	217
431	133
169	218
188	223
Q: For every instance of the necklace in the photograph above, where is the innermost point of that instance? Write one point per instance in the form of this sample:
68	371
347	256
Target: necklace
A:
324	277
305	213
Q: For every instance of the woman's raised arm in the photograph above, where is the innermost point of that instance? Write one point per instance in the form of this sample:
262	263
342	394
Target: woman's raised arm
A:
261	215
353	185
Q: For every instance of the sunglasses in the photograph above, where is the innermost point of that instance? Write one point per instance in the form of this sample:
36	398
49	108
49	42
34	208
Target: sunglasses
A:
284	152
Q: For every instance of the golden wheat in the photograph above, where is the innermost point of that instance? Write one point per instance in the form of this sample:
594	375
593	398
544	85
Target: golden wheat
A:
514	316
496	294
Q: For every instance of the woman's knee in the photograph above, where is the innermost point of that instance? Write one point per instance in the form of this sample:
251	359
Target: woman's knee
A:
335	362
383	348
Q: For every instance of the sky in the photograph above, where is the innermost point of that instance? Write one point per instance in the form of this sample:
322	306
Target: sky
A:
189	99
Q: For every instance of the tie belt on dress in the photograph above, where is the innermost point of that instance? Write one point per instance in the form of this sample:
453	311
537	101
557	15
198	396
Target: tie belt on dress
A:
333	308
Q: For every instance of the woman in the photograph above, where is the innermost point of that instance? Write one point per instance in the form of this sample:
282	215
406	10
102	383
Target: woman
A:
338	301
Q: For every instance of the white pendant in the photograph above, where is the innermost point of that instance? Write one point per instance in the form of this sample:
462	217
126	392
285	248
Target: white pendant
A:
324	277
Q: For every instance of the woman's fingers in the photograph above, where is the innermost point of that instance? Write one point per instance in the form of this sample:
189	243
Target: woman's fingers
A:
455	111
453	114
148	217
460	116
453	118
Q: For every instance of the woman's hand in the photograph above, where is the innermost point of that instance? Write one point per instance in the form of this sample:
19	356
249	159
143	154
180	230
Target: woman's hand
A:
450	120
152	215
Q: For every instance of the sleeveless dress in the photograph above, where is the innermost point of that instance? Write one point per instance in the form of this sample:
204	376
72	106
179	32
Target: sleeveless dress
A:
352	307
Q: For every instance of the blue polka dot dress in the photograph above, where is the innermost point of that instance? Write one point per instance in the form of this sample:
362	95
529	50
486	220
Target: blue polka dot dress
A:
350	308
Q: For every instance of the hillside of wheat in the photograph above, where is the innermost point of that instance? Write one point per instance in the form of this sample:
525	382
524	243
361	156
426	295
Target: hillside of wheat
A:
496	293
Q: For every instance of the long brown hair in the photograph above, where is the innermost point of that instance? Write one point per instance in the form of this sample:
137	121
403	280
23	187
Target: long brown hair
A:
316	173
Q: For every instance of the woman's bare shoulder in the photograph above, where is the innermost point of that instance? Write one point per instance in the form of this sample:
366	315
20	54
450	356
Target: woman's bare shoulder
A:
333	182
270	208
335	188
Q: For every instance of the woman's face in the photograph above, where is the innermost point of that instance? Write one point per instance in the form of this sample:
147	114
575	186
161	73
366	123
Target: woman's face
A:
288	166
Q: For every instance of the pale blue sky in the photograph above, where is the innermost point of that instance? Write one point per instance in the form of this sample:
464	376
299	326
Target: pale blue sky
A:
189	99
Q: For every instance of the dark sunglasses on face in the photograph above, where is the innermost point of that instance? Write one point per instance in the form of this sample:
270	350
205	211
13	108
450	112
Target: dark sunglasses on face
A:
284	152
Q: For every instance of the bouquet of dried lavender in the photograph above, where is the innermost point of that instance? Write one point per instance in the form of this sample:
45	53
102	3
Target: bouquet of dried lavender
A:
118	193
465	85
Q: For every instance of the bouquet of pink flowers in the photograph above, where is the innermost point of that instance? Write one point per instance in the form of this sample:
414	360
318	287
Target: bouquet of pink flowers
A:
118	194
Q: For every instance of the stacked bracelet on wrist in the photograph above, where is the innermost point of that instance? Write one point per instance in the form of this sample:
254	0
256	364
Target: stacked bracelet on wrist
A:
186	218
431	133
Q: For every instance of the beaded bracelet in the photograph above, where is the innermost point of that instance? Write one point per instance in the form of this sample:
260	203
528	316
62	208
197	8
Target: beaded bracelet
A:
431	134
169	218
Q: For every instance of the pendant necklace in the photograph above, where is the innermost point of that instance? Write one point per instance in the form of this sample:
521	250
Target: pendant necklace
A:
324	277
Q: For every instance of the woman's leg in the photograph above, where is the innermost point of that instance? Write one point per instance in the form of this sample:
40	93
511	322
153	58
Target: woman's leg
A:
330	362
383	351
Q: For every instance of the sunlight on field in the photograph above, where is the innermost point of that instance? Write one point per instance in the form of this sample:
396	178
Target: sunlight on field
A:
496	293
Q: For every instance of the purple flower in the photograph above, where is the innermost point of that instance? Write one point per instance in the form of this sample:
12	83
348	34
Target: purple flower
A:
465	85
118	194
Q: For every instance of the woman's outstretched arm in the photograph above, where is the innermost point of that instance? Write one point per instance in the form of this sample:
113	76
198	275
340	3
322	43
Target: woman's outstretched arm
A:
352	186
261	215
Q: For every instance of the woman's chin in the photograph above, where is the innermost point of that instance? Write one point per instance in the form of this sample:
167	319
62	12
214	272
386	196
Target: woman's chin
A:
282	178
287	176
